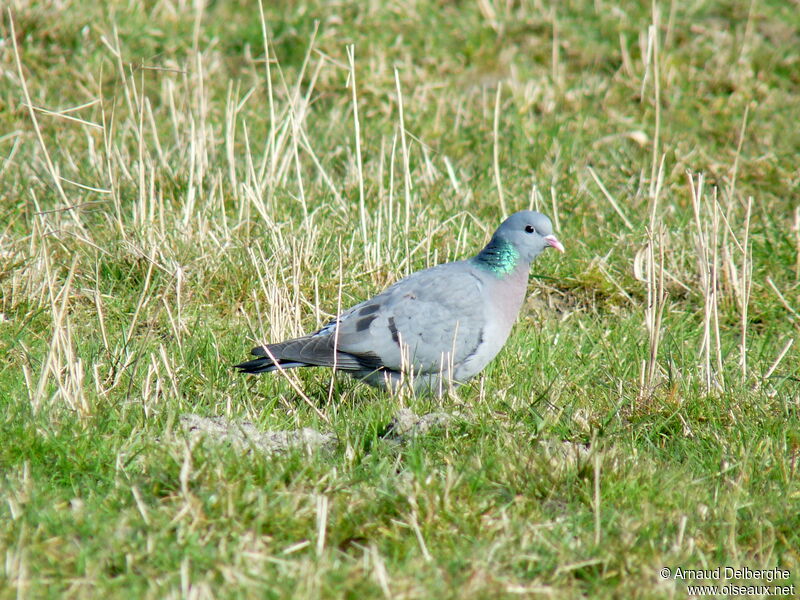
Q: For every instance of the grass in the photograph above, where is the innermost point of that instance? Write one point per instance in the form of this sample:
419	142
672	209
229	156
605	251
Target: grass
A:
169	197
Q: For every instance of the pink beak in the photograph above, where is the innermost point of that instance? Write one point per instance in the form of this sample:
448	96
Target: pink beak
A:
553	241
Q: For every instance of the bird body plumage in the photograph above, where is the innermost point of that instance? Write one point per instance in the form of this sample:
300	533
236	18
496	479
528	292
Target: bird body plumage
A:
437	326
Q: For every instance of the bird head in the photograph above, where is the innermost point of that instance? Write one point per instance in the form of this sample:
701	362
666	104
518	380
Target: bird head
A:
530	233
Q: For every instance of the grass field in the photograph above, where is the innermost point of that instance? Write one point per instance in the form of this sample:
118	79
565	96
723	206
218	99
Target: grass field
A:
179	180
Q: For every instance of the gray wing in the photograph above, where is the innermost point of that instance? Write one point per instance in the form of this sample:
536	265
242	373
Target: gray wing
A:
434	316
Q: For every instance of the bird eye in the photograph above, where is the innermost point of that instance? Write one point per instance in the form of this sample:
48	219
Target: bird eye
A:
529	229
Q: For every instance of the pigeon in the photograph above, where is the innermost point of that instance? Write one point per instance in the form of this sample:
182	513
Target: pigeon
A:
435	328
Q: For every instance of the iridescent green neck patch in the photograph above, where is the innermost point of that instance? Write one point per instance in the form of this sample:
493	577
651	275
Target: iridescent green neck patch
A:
500	257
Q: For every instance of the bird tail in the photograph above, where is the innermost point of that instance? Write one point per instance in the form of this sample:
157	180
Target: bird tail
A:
268	360
309	351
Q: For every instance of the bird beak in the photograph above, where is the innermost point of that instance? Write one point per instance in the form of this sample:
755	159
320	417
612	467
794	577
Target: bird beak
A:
553	241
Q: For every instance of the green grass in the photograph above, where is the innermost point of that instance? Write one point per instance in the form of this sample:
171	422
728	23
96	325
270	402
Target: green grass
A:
579	467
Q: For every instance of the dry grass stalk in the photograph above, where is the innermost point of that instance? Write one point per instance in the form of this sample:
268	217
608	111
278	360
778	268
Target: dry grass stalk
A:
51	169
404	145
796	229
707	254
744	286
362	211
655	231
779	358
656	301
61	364
610	199
724	278
496	150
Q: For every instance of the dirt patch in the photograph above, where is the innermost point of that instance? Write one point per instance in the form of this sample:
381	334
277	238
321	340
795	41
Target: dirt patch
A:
563	454
406	425
245	436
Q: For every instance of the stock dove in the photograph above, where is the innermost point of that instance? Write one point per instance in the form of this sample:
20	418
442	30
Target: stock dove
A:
439	326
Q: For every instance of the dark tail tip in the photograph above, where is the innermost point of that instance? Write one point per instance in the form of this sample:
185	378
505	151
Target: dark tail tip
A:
264	364
255	366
